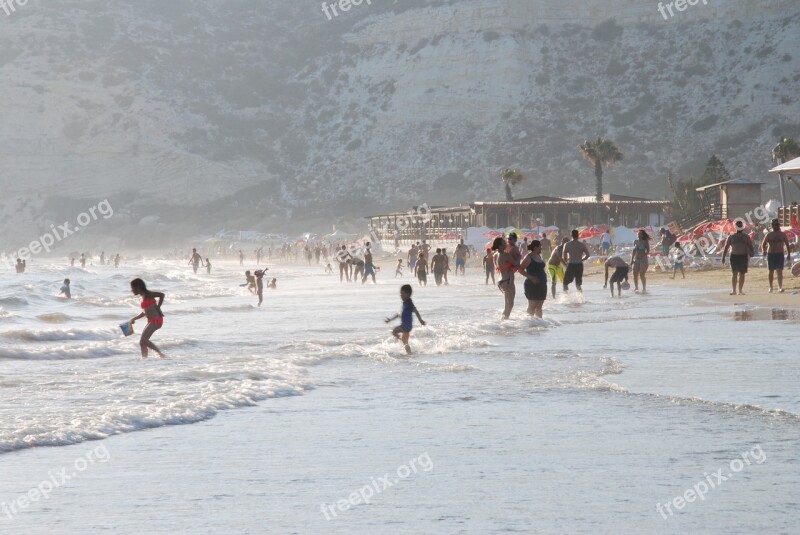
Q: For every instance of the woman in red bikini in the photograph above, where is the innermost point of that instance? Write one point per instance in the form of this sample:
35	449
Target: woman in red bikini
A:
150	309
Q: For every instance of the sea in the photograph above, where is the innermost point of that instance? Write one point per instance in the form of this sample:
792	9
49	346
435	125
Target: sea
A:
663	412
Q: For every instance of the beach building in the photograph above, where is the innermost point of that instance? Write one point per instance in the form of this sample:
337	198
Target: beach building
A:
731	199
451	223
571	212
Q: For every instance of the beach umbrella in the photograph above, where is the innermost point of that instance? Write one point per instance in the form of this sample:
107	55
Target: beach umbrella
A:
791	232
590	232
685	238
450	236
340	235
725	226
794	222
492	234
702	228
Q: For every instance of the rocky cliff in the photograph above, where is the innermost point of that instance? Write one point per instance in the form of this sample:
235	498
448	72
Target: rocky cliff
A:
204	114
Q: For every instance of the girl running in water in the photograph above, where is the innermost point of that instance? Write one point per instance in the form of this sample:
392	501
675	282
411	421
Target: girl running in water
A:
150	309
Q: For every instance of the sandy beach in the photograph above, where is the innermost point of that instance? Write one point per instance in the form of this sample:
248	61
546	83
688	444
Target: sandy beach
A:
716	281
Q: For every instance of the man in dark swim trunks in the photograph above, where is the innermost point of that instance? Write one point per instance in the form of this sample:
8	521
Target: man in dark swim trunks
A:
773	247
741	248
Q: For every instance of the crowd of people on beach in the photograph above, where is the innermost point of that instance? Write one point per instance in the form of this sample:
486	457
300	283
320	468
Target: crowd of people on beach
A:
543	265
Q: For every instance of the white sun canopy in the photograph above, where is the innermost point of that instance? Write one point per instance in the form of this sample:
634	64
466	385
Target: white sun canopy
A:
791	167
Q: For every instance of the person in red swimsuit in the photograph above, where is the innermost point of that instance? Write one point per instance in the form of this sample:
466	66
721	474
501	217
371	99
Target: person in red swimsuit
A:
150	309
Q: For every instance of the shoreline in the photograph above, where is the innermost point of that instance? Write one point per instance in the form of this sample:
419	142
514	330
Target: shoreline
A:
716	281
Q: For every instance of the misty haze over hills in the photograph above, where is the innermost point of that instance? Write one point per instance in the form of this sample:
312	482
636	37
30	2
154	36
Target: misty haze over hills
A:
241	114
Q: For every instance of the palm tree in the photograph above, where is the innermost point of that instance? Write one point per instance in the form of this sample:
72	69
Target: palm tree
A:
786	149
598	152
510	177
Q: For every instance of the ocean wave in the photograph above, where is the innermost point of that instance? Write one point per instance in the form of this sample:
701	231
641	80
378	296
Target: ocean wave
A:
595	380
55	317
184	397
61	334
201	310
13	302
61	353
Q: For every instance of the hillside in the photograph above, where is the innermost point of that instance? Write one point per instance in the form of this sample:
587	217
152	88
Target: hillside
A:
200	115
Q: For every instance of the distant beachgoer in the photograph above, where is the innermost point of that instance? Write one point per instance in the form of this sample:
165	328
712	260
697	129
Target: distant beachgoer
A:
103	258
21	265
506	266
369	267
513	248
208	266
446	260
413	254
741	248
460	256
533	269
66	290
273	284
241	257
426	249
343	257
72	262
116	260
260	284
546	248
403	331
259	254
574	253
150	309
83	260
555	266
437	266
421	270
399	270
328	268
640	260
195	260
773	247
605	243
488	266
250	282
678	258
359	270
667	239
620	274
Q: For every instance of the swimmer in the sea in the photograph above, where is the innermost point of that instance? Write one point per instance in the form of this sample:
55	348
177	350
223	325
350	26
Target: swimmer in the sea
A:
250	282
65	289
195	260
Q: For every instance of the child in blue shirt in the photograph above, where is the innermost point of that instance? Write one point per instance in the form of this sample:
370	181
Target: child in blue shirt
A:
403	331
